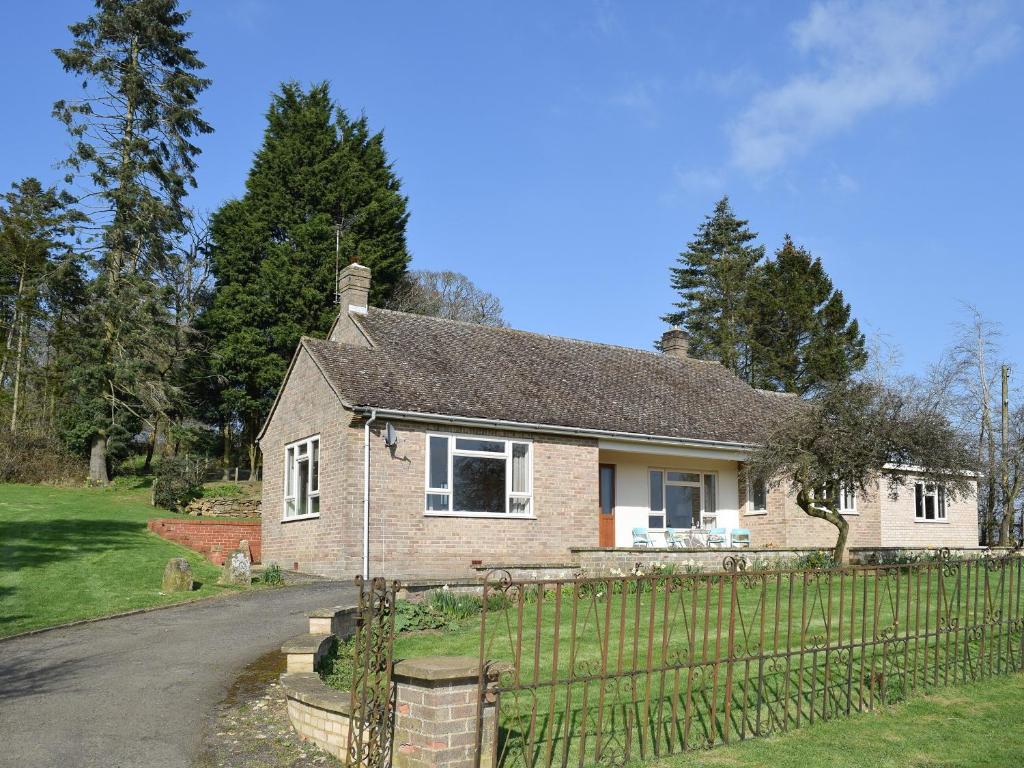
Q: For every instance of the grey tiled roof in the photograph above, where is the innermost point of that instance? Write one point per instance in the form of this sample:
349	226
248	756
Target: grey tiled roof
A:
429	365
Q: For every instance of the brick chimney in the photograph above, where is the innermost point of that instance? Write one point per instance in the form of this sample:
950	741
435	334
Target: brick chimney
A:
674	343
354	289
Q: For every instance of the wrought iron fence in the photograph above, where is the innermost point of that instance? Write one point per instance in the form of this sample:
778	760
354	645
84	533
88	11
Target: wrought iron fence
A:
371	724
613	671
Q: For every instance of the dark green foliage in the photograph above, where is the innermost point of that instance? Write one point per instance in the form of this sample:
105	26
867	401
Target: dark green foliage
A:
714	279
273	250
802	335
815	561
179	480
132	133
272	575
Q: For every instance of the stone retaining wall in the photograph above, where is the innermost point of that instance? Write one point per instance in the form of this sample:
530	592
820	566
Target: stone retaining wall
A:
211	538
224	506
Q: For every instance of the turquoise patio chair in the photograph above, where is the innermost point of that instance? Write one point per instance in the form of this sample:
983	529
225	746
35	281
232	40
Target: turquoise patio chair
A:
642	538
716	537
740	537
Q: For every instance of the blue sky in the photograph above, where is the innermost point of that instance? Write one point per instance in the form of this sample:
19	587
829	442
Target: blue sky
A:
562	154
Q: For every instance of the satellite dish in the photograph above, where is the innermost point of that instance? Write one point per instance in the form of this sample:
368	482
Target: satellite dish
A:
390	436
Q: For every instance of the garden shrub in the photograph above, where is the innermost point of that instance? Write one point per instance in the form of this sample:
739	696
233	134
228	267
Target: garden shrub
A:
272	575
178	481
34	458
815	561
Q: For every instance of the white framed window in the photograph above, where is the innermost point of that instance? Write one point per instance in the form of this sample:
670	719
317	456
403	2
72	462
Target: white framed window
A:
847	501
302	479
757	497
929	503
478	476
680	499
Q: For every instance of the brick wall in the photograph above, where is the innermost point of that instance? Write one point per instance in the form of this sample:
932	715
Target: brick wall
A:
212	538
327	545
902	528
404	542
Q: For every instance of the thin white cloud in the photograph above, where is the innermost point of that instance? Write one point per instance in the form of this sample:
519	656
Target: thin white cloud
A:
867	56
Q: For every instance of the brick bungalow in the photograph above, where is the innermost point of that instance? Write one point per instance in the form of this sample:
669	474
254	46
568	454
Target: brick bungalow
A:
419	447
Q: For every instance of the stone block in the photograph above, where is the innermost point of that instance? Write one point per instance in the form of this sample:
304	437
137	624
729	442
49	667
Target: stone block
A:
177	575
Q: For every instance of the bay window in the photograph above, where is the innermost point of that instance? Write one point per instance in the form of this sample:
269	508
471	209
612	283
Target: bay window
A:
302	478
478	476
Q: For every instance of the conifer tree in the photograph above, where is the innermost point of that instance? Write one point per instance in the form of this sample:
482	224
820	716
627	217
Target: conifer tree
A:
318	175
713	280
803	335
132	136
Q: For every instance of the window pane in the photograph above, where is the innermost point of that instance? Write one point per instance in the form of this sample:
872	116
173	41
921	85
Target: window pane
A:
606	489
302	484
929	507
439	462
942	503
519	506
302	449
657	498
289	469
314	477
289	508
479	484
681	502
710	496
918	500
759	491
314	505
656	521
520	468
437	502
470	444
683	477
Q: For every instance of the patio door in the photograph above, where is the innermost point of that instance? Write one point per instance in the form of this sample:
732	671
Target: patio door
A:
606	503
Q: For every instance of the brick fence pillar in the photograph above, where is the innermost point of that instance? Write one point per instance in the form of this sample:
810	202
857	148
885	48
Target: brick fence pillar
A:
436	699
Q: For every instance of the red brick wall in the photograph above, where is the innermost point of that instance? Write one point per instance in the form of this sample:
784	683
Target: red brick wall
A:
212	538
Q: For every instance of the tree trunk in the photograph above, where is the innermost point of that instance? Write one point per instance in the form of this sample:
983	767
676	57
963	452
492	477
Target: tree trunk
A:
98	461
806	502
151	447
227	450
16	392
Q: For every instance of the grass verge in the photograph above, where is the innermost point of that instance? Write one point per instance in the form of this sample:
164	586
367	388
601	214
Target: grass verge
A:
68	554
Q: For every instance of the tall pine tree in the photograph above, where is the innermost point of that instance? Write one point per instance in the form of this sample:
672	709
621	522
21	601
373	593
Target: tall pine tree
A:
803	335
132	134
713	280
317	174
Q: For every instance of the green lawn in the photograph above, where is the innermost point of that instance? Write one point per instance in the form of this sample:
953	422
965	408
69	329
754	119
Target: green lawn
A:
974	725
76	553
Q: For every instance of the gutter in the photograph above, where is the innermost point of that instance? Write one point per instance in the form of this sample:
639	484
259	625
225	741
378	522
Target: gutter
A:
550	429
366	493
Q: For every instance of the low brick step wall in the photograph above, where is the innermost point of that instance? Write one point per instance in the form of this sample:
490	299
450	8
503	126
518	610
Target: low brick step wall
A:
211	538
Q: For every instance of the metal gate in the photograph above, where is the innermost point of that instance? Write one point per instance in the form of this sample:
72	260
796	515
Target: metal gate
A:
371	715
610	671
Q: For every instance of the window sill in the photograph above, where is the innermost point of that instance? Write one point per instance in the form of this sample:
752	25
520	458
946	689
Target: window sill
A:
485	515
297	518
850	514
933	522
755	513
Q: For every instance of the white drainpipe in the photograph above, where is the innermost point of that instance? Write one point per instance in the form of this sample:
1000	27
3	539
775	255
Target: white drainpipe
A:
366	493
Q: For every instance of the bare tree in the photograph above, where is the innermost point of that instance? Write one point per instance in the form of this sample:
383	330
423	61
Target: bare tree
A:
853	435
450	295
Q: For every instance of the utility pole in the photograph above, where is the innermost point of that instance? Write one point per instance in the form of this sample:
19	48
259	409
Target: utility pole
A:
1006	528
